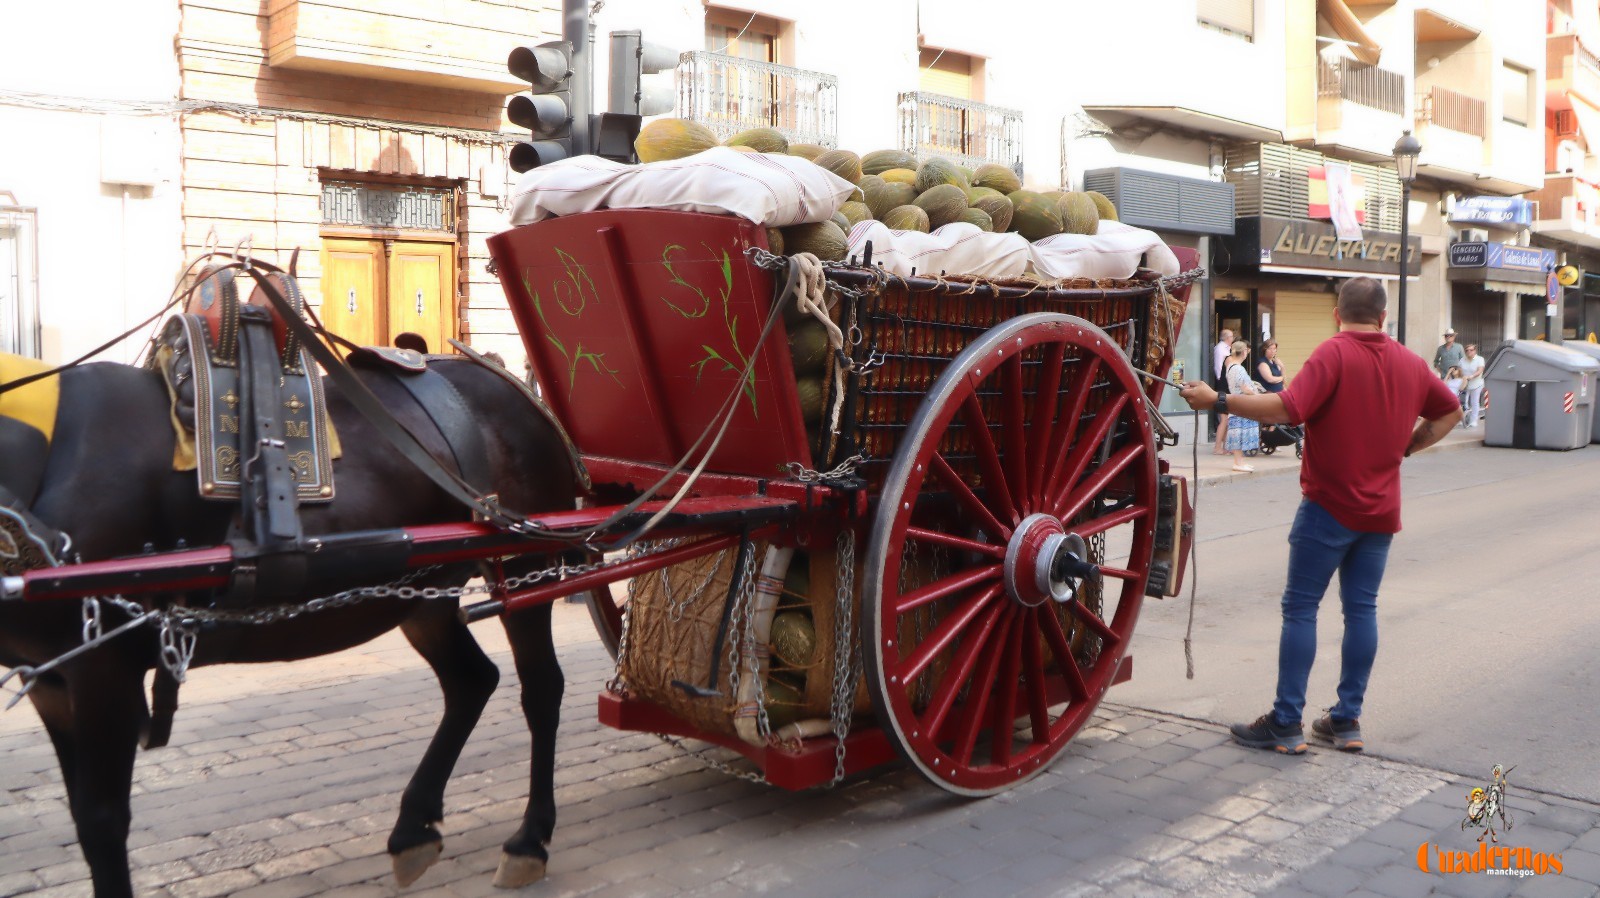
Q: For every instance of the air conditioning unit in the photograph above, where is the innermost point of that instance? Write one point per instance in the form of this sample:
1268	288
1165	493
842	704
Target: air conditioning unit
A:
1473	235
1566	123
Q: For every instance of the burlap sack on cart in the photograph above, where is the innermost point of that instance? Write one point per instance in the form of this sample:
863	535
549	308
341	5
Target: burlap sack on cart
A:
1113	252
769	189
956	248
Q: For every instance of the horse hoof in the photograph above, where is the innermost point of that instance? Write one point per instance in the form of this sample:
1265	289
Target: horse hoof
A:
410	864
518	870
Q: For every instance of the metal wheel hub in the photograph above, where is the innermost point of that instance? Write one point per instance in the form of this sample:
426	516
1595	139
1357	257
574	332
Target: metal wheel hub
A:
1044	561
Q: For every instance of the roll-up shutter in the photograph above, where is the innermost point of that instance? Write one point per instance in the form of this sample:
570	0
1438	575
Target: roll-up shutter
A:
1234	15
1303	321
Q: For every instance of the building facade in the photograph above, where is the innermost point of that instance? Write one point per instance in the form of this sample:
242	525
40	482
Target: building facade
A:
1565	209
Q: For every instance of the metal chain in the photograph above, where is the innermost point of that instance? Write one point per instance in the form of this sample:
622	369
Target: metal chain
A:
618	683
842	471
177	646
91	619
747	644
846	660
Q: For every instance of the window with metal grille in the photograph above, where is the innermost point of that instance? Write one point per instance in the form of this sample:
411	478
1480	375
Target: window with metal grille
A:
1516	96
19	279
1233	17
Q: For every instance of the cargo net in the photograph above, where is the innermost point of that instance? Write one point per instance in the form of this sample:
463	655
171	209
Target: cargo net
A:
911	329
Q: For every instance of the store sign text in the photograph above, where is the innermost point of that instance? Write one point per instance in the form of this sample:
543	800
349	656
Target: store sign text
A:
1327	246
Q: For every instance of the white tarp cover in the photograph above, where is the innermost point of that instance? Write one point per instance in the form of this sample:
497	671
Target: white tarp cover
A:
956	248
769	189
1113	252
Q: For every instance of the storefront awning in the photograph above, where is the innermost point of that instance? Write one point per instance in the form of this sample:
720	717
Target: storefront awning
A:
1349	28
1513	287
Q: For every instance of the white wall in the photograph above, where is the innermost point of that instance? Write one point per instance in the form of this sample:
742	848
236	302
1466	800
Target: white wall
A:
105	261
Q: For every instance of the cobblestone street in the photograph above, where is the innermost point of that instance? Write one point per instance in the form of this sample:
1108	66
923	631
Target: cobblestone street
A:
283	780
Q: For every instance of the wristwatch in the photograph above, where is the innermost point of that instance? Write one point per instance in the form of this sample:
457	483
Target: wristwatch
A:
1222	404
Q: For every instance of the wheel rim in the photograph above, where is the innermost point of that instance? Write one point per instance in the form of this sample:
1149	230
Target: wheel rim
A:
979	673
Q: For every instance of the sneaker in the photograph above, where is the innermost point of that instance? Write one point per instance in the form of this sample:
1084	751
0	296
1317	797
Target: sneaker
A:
1344	734
1266	732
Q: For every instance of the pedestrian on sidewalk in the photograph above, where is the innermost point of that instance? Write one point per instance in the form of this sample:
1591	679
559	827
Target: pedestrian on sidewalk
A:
1219	358
1472	370
1270	372
1360	396
1244	434
1448	354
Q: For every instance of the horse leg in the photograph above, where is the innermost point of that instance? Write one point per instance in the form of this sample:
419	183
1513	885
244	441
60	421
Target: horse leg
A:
50	701
533	647
107	713
468	678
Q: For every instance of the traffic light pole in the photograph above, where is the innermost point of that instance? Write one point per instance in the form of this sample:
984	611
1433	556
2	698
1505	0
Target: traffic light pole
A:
577	30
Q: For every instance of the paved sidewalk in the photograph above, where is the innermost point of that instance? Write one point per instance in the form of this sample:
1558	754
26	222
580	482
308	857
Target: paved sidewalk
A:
282	780
1215	469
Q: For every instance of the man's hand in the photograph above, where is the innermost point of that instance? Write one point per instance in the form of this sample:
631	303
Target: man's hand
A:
1200	396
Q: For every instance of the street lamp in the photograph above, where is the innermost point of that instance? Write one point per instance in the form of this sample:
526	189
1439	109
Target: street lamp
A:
1406	151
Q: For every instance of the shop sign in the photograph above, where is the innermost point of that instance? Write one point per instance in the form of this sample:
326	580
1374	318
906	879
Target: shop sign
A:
1314	244
1477	254
1504	211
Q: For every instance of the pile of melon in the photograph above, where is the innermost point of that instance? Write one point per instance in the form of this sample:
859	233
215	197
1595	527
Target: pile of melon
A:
892	188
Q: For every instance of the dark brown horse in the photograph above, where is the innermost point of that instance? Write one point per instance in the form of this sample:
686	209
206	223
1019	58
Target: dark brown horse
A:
108	483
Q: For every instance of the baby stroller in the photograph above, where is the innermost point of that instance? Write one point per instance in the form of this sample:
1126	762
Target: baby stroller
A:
1275	435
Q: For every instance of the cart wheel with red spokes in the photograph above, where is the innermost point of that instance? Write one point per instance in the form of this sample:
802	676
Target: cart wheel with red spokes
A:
997	605
606	612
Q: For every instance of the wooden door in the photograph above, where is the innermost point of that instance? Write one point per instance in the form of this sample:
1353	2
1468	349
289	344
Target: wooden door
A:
421	292
353	275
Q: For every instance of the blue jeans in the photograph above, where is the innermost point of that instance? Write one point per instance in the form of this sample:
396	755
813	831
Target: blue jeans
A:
1318	546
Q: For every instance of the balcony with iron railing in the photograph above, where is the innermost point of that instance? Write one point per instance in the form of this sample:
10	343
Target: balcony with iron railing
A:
1360	107
1451	127
1571	68
964	131
1569	209
728	94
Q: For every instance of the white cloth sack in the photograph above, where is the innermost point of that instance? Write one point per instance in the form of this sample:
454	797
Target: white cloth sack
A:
771	190
1112	253
956	248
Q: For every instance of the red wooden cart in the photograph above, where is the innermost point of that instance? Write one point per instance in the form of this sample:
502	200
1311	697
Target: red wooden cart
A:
1003	430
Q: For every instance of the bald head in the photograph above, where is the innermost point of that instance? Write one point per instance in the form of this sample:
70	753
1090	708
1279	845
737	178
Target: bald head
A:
1362	301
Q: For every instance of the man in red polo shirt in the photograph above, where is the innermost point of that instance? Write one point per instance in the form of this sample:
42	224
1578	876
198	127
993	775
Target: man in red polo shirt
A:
1360	396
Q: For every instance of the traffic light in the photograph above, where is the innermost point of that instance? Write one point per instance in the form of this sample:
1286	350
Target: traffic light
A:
550	109
642	81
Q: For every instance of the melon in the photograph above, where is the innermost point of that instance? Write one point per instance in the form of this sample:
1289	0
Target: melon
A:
843	163
783	702
855	213
808	346
1103	205
944	203
998	177
843	221
1034	215
1078	214
883	196
998	209
672	138
822	239
794	639
900	175
806	150
939	170
810	390
906	218
857	195
977	217
775	240
762	140
880	161
975	193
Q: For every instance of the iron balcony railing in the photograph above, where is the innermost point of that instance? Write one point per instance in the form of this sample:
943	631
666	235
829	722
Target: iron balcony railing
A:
728	95
1448	109
963	131
1366	85
1275	179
